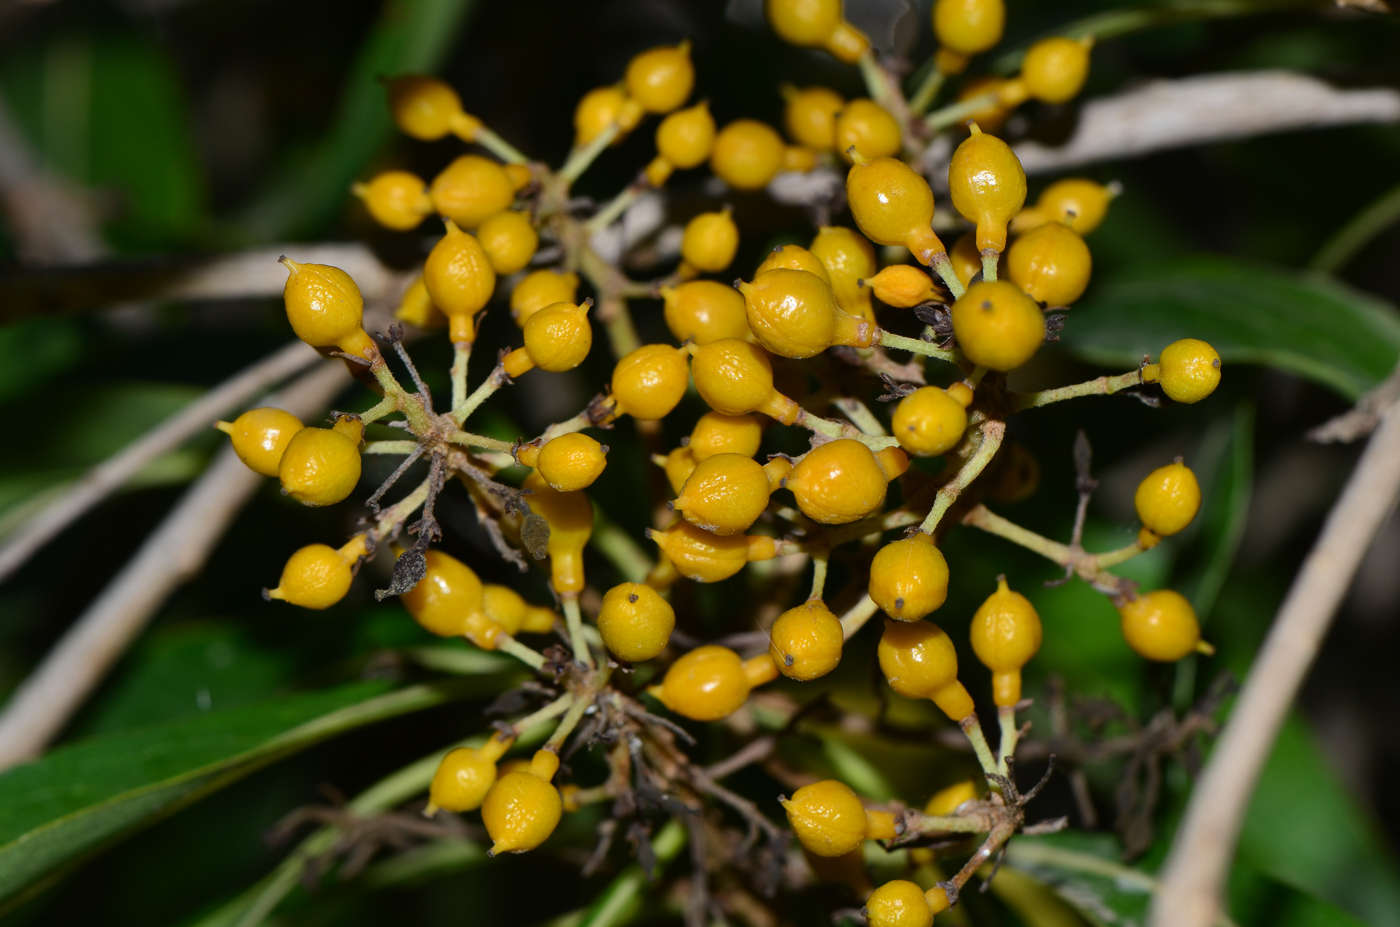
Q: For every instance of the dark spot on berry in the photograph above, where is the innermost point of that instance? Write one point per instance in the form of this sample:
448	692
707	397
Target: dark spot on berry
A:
1215	363
633	597
899	604
986	305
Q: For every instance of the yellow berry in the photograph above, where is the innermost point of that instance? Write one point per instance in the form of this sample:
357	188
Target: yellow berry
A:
504	606
827	818
417	307
997	325
570	517
869	128
598	110
993	115
919	661
902	286
541	288
1054	69
1051	263
950	799
735	377
571	462
709	243
661	79
794	313
447	594
909	578
848	259
704	310
1161	626
683	140
969	27
396	199
465	775
817	24
898	903
471	189
509	240
747	154
929	422
1081	204
725	494
679	464
428	109
325	308
810	116
965	258
318	575
649	383
706	684
794	257
460	281
893	205
635	621
988	186
557	338
321	466
261	436
707	557
717	433
520	812
839	482
1168	499
805	642
1005	635
1189	370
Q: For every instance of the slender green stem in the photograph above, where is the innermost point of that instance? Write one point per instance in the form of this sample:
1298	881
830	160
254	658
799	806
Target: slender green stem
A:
928	90
468	439
580	158
943	266
983	517
918	346
573	620
861	416
834	429
855	619
570	425
616	902
992	433
485	391
1010	734
408	404
566	726
380	409
878	83
461	353
615	207
499	146
972	727
1100	386
1114	557
553	710
819	564
390	518
527	655
949	823
989	266
389	447
1358	233
954	113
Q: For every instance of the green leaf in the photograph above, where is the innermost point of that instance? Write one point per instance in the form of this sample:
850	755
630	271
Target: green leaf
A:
1084	872
1307	324
78	798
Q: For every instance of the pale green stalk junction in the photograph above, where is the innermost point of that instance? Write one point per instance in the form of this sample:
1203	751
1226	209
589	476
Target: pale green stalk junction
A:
1010	734
499	147
985	758
928	91
527	655
989	266
573	620
580	158
992	434
485	391
918	346
855	619
1100	386
819	565
461	353
954	113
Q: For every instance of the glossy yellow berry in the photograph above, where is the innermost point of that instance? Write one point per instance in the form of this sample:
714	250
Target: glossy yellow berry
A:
679	464
747	154
448	593
538	620
817	24
318	575
988	187
261	436
635	621
969	27
325	308
683	140
1081	204
805	642
1168	499
464	777
471	189
541	288
707	557
320	466
504	606
997	325
460	281
902	286
570	517
929	422
794	313
950	799
919	661
794	257
520	812
717	433
598	110
557	338
417	307
869	128
838	482
848	258
509	240
1054	69
893	205
725	494
706	684
909	578
661	79
1005	635
428	109
570	462
704	310
827	818
810	116
1189	370
396	199
1161	626
709	243
648	383
735	377
965	258
1051	263
898	903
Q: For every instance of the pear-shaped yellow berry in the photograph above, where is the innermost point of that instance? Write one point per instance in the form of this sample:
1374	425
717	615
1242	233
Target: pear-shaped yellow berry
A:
1168	499
650	382
709	242
817	24
869	128
321	466
805	642
318	576
509	240
988	187
635	622
919	661
909	578
735	377
260	437
397	200
557	338
707	557
842	481
810	116
827	817
325	308
1051	263
794	313
705	310
1005	635
520	812
460	281
465	775
1189	370
893	205
1161	626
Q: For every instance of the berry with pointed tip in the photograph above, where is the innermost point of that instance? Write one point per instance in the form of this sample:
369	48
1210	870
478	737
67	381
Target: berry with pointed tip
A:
1051	263
909	578
683	140
397	200
448	593
317	576
542	288
1005	635
460	281
707	557
842	481
703	311
794	313
919	661
557	338
869	128
321	466
997	325
464	776
893	205
901	903
969	27
635	622
650	382
260	437
599	109
794	257
817	24
735	377
810	116
929	422
827	817
570	517
509	240
418	309
427	109
504	606
470	189
325	308
717	433
1055	69
1079	203
1162	626
660	80
1189	370
988	187
711	682
805	642
567	463
709	243
520	812
747	154
1168	499
902	286
725	494
848	258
